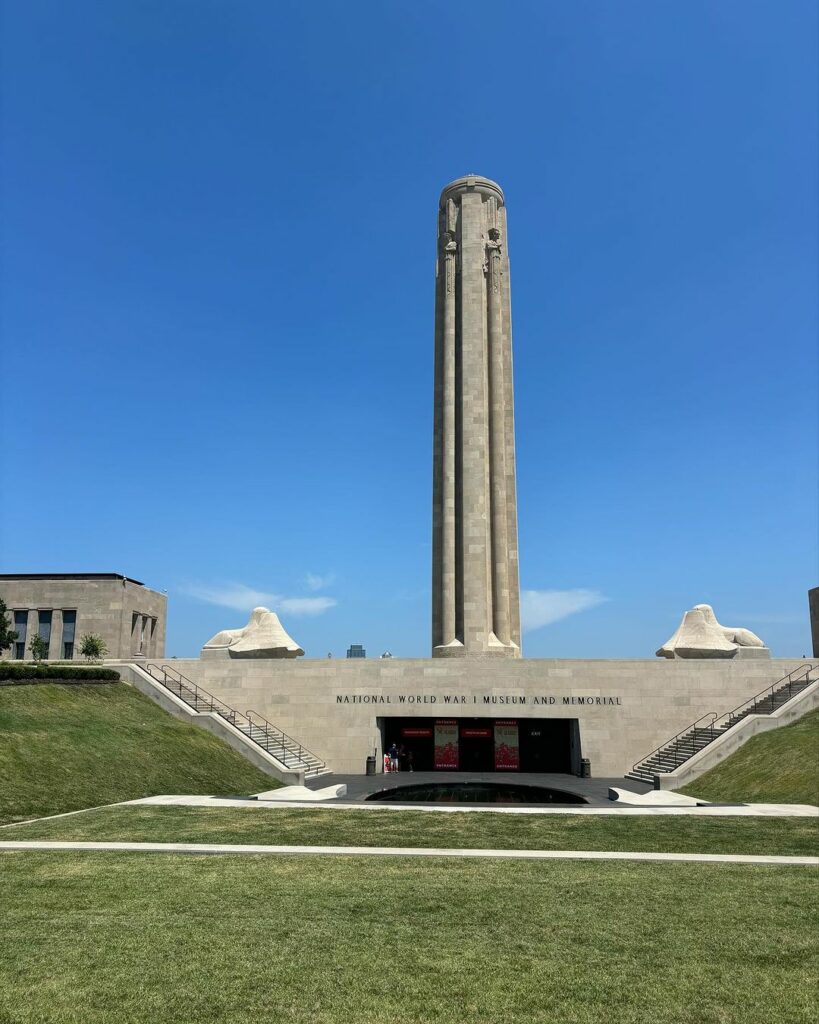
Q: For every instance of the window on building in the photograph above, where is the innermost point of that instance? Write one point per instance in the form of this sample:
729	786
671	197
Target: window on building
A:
44	626
69	630
21	627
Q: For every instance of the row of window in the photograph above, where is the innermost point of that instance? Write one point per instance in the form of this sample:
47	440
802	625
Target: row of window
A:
142	633
44	620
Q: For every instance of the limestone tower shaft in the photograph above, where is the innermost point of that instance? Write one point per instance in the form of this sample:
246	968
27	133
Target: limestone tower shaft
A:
475	588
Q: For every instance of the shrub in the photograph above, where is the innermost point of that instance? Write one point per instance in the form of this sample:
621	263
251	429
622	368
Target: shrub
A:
93	647
12	674
38	647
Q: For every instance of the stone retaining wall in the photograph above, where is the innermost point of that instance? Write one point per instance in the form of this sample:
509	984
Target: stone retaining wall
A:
624	708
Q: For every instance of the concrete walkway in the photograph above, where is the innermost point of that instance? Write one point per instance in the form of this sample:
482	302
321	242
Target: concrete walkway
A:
590	791
397	851
612	808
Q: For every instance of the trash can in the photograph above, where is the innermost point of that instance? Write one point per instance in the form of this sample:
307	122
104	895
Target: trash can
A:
371	765
585	768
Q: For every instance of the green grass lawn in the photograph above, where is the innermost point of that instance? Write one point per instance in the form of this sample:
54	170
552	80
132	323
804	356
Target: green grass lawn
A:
300	826
781	766
67	747
110	938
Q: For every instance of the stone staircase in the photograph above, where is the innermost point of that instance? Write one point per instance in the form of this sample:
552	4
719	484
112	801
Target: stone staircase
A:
291	754
682	747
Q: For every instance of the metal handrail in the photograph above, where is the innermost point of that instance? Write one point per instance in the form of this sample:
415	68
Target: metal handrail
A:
199	692
300	750
779	684
710	714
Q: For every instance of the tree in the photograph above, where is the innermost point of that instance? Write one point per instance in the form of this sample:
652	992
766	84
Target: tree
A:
7	636
93	647
38	647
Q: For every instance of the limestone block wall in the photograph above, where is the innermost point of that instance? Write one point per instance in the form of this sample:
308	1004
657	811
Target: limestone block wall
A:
624	708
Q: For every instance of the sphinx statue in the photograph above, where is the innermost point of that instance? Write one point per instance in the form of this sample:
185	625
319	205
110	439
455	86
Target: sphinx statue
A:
699	635
263	637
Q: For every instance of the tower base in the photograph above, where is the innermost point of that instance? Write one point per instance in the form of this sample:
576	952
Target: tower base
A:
494	649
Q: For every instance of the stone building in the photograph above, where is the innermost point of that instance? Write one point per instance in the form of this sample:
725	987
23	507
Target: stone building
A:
63	607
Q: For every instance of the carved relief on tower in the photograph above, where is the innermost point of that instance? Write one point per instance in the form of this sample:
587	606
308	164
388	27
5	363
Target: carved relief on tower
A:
491	213
451	217
492	259
448	217
450	247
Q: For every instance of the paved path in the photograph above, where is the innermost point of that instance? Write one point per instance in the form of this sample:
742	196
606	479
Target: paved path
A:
398	851
593	791
706	810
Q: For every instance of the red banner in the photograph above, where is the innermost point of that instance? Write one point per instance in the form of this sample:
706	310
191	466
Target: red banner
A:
507	747
473	732
446	744
415	731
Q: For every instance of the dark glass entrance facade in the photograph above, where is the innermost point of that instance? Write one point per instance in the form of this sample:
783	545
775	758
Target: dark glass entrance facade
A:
484	744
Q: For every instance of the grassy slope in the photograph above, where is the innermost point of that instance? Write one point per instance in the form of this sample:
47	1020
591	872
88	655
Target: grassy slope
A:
104	938
781	766
67	747
326	827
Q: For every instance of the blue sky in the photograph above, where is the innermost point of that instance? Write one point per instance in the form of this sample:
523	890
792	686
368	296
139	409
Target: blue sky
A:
217	306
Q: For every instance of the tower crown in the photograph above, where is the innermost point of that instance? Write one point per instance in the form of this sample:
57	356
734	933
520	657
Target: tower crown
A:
471	183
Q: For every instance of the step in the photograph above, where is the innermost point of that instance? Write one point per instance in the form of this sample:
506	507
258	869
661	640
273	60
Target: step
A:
679	752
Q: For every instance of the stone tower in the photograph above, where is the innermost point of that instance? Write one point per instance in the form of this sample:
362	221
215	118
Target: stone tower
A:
475	588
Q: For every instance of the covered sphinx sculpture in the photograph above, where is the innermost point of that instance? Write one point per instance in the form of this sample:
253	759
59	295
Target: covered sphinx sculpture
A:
263	637
700	636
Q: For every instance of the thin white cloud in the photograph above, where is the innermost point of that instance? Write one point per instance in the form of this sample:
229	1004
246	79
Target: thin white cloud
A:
314	581
242	598
231	595
307	605
542	607
775	618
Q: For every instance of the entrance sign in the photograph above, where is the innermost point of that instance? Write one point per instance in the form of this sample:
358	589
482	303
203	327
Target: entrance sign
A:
446	743
415	732
507	747
487	700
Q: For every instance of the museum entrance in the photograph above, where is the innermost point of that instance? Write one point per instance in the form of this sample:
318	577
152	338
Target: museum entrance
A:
483	744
